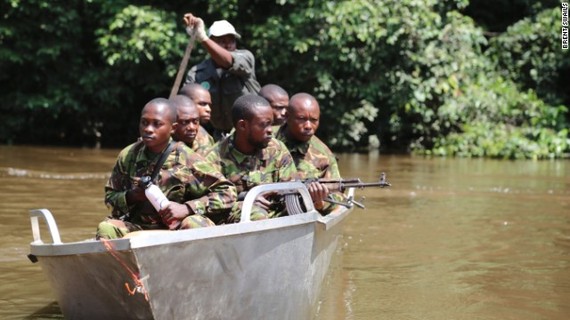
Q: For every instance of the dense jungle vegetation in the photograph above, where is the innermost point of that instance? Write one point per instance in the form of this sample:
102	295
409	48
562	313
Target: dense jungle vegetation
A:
452	78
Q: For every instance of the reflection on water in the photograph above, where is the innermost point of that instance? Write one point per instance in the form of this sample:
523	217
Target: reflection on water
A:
452	238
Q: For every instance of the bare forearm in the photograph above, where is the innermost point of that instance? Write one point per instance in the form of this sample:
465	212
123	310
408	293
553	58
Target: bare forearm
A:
221	56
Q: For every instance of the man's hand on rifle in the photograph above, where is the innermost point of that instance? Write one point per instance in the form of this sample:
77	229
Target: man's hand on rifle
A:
319	193
263	202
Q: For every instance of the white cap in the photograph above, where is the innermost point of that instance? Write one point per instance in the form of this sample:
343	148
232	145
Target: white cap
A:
221	28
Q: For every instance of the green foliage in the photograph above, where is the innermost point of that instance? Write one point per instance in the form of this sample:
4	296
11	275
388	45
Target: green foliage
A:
437	71
530	54
142	33
57	79
498	15
413	75
507	118
503	123
484	139
37	43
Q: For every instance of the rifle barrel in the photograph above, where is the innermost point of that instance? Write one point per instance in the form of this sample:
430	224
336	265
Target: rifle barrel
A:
351	180
361	185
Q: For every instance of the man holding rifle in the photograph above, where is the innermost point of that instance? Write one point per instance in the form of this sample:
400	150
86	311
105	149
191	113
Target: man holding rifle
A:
250	155
313	159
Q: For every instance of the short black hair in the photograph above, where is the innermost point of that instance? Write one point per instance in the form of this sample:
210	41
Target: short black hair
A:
170	107
190	89
302	97
180	101
268	89
244	107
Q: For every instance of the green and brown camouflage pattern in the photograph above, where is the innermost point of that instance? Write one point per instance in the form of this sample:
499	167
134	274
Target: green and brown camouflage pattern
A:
203	142
314	160
185	177
271	164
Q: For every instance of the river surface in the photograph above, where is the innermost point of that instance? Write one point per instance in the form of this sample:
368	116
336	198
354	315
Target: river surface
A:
451	239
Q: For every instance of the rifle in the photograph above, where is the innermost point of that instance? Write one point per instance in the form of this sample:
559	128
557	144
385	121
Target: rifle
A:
333	185
341	185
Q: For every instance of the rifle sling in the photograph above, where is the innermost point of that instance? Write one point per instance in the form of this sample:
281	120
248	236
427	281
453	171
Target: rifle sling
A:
161	161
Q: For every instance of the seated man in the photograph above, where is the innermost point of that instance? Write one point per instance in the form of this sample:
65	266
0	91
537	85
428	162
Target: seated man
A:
196	190
188	126
250	156
202	99
313	159
278	99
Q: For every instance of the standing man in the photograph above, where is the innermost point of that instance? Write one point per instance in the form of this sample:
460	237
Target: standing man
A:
250	155
188	126
278	99
314	160
196	190
229	72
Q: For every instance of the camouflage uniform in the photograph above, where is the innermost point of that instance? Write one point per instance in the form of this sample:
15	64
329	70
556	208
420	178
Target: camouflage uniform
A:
314	160
185	177
272	164
203	142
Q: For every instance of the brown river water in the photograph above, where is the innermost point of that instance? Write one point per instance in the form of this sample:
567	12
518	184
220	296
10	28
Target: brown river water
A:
451	239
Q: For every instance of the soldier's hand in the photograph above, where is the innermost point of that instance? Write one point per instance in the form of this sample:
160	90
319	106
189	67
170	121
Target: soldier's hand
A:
262	202
319	193
135	195
173	214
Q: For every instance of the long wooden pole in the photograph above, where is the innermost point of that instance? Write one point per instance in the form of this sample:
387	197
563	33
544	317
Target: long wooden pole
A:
182	68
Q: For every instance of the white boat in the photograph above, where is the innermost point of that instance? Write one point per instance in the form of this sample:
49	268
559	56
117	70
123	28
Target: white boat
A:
269	269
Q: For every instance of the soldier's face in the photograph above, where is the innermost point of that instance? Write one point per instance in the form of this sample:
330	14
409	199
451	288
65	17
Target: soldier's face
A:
188	122
203	100
259	128
279	105
303	120
155	127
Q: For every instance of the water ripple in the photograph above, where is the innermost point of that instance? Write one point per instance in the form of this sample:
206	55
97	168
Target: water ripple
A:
25	173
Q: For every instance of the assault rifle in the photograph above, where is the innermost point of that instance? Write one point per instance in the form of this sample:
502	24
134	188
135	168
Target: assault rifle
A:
341	185
334	185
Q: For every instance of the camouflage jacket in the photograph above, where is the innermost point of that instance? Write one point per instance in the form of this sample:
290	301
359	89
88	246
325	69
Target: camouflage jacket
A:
272	164
203	142
313	159
185	177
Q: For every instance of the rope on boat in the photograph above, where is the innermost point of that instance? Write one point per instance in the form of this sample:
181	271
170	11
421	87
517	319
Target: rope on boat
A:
139	285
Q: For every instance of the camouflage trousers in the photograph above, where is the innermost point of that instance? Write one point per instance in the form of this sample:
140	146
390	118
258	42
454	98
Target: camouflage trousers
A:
109	228
257	213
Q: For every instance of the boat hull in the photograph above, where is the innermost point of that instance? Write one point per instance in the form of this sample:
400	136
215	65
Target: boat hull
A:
271	269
